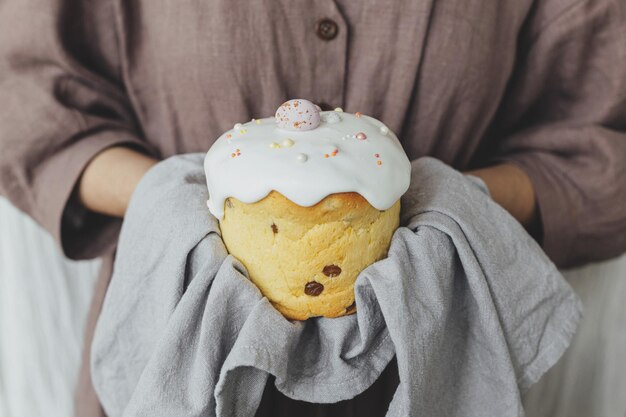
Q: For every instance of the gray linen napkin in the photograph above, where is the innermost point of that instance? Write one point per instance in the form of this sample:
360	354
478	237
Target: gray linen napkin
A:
467	302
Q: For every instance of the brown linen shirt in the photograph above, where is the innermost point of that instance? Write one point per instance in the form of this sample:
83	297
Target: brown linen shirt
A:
540	83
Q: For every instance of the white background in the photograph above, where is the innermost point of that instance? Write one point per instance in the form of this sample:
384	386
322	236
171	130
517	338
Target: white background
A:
43	306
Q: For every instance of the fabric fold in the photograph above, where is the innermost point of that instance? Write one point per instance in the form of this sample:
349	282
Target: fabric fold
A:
466	301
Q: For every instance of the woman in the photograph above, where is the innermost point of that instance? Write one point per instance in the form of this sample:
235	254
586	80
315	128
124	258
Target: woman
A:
530	95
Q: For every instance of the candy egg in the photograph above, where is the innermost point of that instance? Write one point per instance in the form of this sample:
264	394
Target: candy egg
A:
298	114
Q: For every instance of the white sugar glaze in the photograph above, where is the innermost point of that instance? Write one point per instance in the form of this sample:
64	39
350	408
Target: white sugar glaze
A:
306	166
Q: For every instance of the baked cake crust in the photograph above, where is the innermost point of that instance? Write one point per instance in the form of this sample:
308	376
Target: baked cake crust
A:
305	260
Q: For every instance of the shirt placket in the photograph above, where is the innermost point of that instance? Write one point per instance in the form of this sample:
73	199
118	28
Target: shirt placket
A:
329	37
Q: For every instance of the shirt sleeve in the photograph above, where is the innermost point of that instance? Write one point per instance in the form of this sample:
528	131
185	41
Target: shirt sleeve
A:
563	121
62	103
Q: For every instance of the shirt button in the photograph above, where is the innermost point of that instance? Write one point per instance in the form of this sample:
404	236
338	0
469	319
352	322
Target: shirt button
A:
327	29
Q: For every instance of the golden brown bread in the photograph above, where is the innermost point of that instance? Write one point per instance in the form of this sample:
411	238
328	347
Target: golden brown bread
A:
305	259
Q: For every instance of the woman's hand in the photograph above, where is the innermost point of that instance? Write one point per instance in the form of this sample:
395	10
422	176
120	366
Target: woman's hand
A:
510	187
110	178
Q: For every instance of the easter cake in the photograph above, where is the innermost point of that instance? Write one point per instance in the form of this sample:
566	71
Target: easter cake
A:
306	200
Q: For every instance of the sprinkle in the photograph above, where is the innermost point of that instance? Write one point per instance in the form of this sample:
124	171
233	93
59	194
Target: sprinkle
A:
377	155
232	155
274	145
258	121
357	114
242	131
384	130
333	152
302	157
238	126
339	109
287	143
229	136
331	117
379	162
361	136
